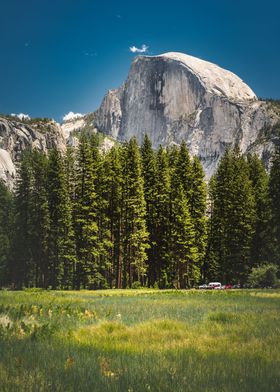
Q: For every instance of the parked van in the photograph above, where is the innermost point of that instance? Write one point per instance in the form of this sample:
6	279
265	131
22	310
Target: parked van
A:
215	285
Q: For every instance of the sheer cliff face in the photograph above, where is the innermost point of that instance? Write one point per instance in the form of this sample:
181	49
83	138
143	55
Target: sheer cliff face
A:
175	97
16	136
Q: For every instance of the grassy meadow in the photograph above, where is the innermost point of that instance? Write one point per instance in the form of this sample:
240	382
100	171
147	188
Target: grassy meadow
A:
140	340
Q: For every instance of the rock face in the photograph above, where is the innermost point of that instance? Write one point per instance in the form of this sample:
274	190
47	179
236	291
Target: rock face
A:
175	97
16	136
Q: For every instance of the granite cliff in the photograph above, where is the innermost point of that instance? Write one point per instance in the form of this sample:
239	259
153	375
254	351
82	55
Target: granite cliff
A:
19	133
16	135
174	97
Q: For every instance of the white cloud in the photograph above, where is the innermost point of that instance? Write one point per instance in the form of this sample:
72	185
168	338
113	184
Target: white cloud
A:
72	116
21	116
89	53
143	49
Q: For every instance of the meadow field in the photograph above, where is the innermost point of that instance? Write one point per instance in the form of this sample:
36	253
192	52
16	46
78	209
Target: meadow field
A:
140	340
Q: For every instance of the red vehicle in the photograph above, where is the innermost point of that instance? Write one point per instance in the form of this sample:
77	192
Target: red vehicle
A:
228	286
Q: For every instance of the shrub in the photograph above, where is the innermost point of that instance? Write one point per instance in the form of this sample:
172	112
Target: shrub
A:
136	285
264	276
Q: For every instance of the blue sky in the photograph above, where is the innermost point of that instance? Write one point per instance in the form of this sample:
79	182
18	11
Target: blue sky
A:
60	56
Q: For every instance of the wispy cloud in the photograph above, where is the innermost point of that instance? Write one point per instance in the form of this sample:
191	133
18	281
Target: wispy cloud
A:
72	116
89	53
143	49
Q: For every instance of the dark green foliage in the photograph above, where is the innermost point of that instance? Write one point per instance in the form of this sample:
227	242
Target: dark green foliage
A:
232	219
135	217
150	192
61	235
162	220
134	229
114	185
39	220
264	276
102	185
188	202
260	247
183	255
197	205
274	192
6	232
21	253
183	174
85	224
30	249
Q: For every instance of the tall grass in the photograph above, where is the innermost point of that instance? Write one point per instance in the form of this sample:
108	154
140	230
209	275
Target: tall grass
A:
140	340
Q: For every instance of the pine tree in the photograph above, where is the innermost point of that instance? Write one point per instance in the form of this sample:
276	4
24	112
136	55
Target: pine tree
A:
22	268
260	248
149	176
102	187
86	228
162	218
183	172
134	231
39	220
114	187
173	155
274	192
61	235
233	219
183	249
70	168
189	175
197	204
6	232
210	267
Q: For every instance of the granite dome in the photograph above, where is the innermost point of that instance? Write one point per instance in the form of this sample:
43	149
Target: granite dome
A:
174	97
214	78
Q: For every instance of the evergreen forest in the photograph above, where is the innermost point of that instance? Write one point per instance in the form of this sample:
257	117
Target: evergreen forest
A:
135	217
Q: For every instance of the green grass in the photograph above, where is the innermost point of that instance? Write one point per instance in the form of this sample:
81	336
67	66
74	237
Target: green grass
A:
140	340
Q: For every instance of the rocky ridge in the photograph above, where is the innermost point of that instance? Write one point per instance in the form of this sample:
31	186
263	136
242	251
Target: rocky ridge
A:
17	135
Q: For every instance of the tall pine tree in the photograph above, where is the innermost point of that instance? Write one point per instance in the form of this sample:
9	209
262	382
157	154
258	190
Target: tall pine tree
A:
6	232
102	186
39	219
114	188
232	219
134	230
274	192
162	219
183	249
149	176
61	235
260	248
197	204
86	228
22	267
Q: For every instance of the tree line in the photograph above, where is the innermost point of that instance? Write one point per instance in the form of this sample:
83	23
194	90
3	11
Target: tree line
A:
136	217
